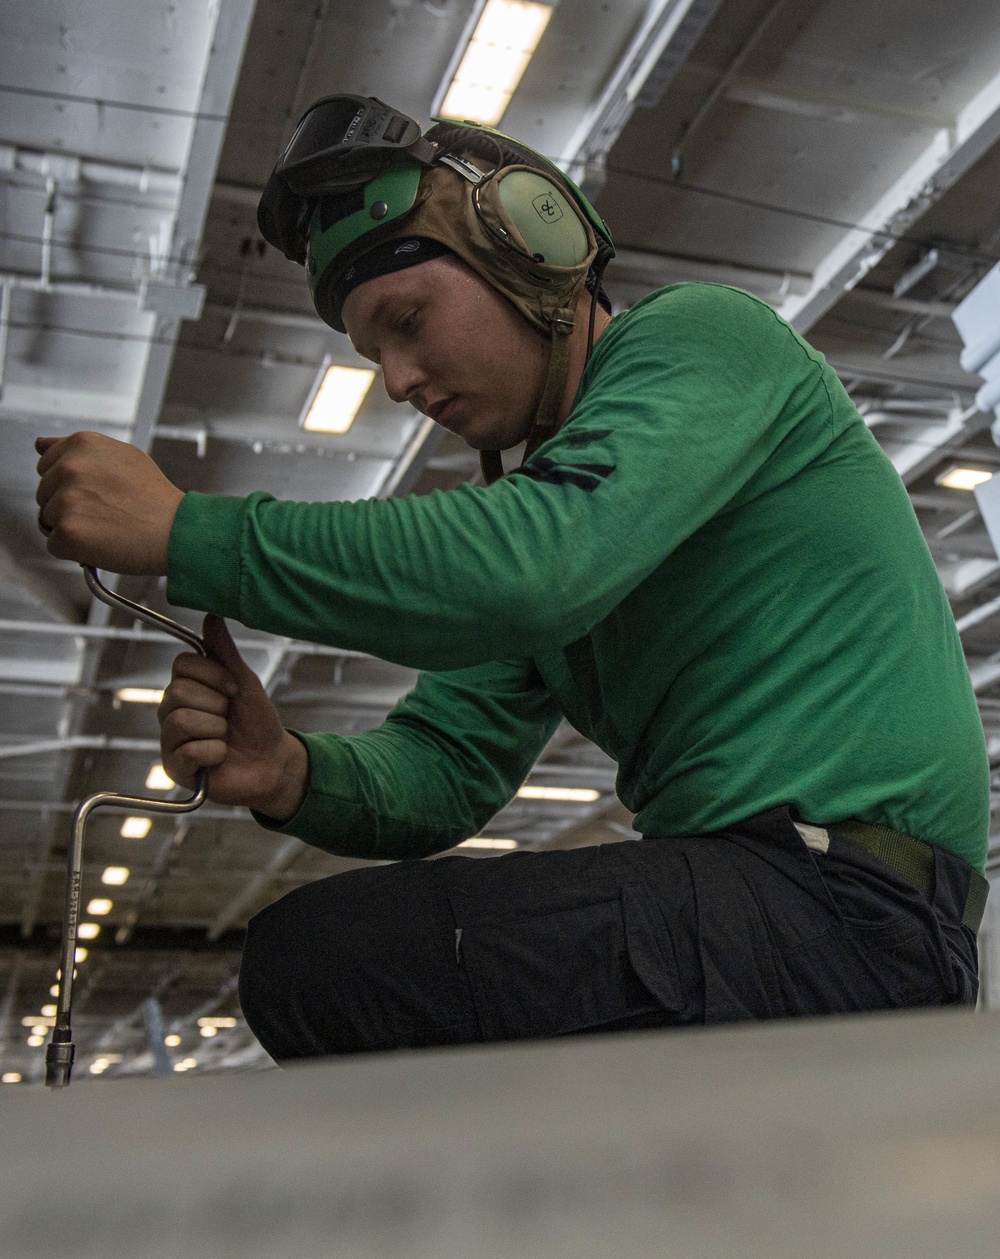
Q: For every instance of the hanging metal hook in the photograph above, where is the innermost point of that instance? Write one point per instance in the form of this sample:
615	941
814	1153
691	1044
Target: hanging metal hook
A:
60	1051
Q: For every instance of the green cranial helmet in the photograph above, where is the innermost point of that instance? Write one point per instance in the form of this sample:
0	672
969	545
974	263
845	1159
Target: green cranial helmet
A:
358	175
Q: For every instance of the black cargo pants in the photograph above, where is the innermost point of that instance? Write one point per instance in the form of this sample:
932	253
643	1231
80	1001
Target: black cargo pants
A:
745	924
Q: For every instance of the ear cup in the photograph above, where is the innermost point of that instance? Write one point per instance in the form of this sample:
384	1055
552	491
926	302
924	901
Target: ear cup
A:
548	224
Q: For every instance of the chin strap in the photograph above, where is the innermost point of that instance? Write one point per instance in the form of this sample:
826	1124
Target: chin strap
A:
546	422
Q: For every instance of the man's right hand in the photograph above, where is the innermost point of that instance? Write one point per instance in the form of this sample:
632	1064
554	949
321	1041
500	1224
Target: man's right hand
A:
216	714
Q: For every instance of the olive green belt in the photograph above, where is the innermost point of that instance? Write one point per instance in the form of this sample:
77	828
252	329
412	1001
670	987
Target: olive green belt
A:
913	860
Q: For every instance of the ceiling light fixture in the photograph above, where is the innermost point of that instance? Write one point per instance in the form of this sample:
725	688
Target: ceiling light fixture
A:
492	61
115	876
158	779
957	478
172	1041
89	930
217	1020
35	1041
335	398
503	845
136	827
79	956
579	795
99	906
138	695
11	1077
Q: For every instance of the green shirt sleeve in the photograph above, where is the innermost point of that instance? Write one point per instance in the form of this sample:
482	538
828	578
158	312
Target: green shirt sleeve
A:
683	402
448	757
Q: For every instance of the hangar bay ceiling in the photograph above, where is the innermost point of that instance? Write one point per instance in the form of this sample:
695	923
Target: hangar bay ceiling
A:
836	158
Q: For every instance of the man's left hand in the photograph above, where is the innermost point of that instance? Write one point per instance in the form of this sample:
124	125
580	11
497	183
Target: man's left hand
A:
106	504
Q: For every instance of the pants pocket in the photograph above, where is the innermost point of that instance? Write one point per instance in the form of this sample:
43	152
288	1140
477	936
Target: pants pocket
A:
562	960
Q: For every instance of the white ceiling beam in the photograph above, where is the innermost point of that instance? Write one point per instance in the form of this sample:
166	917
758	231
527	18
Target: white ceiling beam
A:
37	588
642	270
766	94
76	743
225	55
284	854
930	442
948	156
662	44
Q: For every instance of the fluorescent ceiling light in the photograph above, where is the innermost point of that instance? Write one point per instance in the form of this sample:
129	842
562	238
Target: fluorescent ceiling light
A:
99	906
217	1020
89	930
115	876
79	956
138	695
138	827
49	1011
158	779
964	478
498	53
11	1077
503	845
580	795
39	1023
335	403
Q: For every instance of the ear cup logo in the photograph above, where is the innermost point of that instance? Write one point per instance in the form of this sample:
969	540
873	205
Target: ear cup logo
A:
547	208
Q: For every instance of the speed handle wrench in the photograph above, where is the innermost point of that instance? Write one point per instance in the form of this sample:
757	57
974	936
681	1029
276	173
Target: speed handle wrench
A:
60	1051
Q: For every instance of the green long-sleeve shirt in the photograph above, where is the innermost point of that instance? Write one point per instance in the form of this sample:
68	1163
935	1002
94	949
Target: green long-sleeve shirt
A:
712	571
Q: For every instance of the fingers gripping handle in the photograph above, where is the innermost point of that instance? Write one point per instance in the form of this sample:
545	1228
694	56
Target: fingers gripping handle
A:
60	1050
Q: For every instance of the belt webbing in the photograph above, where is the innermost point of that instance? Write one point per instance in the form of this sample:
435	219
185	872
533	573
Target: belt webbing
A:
913	860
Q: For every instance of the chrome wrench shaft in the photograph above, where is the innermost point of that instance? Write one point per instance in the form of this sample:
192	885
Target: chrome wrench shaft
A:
60	1051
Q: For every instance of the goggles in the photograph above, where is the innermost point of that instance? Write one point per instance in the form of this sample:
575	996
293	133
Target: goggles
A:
364	159
342	144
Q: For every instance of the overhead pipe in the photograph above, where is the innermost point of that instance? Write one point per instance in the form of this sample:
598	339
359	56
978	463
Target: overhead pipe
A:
71	169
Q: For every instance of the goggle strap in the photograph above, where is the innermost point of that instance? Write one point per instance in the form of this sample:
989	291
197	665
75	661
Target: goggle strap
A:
423	151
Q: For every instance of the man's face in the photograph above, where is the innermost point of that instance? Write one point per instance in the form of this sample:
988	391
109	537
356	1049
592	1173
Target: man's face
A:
453	347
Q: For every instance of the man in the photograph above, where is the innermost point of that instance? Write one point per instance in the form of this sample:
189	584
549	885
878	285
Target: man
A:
705	563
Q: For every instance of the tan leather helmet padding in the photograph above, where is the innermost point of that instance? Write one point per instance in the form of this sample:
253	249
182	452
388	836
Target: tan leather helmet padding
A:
445	211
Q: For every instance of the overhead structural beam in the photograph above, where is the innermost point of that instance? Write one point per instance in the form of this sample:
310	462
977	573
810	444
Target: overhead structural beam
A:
8	626
948	156
75	743
282	856
225	55
983	613
775	96
36	588
662	44
930	442
645	271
